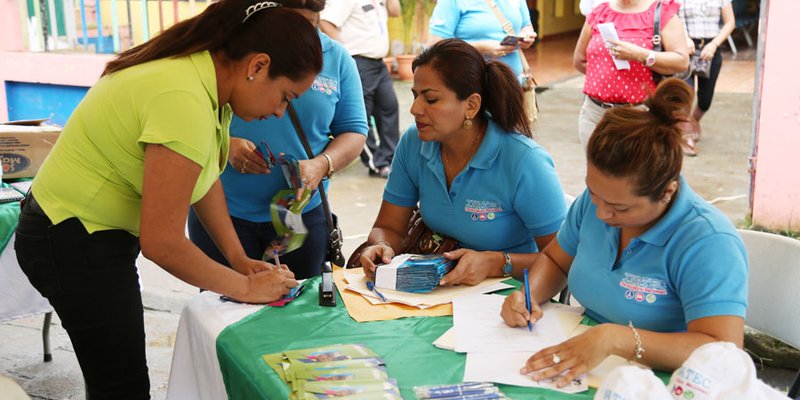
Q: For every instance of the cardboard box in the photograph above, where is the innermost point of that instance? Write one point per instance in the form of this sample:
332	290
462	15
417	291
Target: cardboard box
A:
24	146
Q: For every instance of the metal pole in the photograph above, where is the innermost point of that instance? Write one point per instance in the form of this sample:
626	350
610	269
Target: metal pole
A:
100	45
145	22
84	30
115	26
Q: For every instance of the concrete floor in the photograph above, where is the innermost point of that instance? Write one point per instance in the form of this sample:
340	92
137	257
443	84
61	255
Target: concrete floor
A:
720	172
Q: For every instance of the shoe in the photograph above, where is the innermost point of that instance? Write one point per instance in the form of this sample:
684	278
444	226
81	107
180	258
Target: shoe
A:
382	172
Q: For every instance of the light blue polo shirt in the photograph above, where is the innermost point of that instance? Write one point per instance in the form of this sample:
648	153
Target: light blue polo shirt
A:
333	105
691	264
508	194
473	20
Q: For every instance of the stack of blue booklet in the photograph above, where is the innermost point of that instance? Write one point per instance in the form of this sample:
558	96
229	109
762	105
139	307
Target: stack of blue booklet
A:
413	273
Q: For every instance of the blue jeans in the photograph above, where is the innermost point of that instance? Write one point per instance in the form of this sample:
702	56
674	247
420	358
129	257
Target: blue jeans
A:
92	282
305	262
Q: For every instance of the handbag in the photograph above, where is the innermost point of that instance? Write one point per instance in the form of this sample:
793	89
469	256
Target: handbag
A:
419	240
700	67
333	252
528	83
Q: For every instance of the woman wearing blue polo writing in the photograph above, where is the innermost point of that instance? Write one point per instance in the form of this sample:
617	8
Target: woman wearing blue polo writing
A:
470	163
662	270
334	106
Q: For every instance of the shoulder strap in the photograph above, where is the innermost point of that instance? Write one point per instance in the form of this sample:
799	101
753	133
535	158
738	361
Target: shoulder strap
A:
657	28
301	134
509	29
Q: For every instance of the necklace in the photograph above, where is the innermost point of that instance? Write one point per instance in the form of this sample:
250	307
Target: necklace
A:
446	161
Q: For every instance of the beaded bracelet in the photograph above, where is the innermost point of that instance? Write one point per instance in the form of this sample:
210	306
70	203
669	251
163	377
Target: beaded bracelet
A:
639	348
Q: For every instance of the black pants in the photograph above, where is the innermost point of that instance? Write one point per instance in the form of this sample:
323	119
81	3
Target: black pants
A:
305	262
381	104
705	86
92	283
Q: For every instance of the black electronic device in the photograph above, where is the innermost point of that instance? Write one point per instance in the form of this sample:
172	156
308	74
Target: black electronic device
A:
327	288
511	41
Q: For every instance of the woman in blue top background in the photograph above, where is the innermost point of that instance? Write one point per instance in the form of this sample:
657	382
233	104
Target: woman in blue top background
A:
662	270
474	22
334	107
470	163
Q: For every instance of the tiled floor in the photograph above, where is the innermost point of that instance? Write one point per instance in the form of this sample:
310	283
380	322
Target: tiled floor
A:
551	61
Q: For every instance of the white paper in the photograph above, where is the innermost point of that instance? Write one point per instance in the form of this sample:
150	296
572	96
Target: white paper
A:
609	32
357	282
504	368
447	341
479	327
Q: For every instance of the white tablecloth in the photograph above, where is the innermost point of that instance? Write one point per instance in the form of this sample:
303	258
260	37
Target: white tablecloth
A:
195	373
19	298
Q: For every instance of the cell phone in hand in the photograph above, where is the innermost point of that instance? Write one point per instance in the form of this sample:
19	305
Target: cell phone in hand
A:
511	41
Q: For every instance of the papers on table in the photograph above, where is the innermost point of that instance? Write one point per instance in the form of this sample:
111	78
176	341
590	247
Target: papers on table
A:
479	327
609	32
601	371
357	282
496	352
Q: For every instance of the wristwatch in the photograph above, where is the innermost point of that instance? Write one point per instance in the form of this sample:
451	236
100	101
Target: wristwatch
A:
507	266
651	59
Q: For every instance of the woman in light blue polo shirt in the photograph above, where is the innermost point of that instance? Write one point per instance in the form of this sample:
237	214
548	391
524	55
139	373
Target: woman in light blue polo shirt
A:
662	270
471	165
333	106
474	22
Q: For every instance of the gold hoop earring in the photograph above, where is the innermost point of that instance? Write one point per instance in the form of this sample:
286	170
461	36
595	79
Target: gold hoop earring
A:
467	123
250	78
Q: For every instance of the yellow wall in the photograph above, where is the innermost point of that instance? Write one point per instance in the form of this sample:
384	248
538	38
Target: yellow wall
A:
559	16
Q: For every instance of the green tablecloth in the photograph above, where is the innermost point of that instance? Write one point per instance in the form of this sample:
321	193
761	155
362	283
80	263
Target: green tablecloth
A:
404	344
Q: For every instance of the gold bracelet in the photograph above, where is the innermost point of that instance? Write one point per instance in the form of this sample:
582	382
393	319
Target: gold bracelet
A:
330	164
639	348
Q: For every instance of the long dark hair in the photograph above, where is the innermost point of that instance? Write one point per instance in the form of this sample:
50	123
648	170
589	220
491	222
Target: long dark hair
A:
644	144
464	71
288	38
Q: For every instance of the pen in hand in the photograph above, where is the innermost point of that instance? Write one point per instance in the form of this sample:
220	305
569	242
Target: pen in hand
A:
276	258
527	297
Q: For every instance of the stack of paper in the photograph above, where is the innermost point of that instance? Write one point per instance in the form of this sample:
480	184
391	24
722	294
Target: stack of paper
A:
413	273
496	352
357	282
339	370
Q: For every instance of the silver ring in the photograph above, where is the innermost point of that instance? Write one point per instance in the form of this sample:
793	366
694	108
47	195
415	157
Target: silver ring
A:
305	181
556	359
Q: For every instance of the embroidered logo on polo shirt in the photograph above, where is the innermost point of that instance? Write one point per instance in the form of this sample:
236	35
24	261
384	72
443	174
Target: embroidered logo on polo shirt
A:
643	288
325	85
482	210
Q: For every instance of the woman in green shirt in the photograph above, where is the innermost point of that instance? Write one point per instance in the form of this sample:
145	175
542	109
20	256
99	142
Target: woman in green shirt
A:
148	140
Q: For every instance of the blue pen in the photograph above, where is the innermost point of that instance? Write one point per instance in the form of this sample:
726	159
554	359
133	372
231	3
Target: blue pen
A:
527	296
371	286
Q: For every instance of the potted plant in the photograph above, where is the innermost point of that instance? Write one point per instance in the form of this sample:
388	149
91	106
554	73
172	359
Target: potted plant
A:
415	15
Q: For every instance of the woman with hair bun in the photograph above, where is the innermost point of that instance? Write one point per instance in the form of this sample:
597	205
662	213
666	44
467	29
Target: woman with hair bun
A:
659	268
471	165
148	140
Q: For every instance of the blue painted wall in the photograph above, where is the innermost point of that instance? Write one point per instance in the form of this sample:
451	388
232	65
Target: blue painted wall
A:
39	100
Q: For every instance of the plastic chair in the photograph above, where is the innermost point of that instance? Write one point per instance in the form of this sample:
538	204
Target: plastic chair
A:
773	289
744	22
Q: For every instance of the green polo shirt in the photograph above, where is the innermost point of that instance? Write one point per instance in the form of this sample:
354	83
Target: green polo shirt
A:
95	170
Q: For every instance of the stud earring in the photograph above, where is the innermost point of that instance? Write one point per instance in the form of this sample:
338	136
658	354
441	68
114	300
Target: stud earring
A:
250	78
467	123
